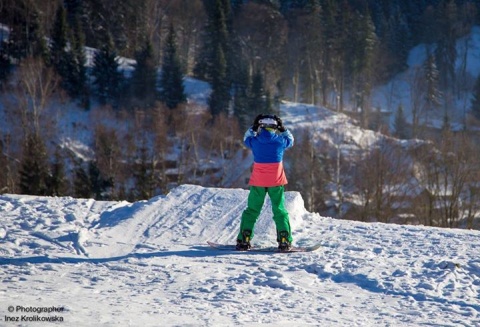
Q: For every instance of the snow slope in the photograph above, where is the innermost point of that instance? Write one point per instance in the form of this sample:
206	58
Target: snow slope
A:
402	89
147	264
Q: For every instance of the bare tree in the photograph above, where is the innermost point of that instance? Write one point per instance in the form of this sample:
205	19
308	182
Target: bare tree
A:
156	23
305	53
382	179
149	160
107	150
308	170
449	175
190	124
263	35
32	121
188	17
221	143
108	158
27	107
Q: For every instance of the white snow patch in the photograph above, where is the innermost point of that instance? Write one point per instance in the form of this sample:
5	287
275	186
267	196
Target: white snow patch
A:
131	264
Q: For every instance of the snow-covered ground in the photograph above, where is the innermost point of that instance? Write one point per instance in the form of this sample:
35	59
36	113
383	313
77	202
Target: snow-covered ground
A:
147	264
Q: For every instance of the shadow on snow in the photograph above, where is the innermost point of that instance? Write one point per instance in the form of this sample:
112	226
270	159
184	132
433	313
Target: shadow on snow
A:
194	252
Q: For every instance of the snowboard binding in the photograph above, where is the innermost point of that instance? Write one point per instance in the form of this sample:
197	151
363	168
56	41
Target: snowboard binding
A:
283	244
244	245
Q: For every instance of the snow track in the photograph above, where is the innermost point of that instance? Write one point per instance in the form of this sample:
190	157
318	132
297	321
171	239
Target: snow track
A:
130	264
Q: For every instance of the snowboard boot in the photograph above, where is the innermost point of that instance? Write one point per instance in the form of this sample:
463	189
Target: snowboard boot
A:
244	245
283	244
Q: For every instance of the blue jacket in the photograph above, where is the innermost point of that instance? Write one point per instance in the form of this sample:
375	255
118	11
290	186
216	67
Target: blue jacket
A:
268	149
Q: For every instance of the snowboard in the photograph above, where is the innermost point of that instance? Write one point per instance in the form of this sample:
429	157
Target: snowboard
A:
273	249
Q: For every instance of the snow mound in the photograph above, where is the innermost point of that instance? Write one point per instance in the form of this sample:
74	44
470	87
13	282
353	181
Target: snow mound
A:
188	215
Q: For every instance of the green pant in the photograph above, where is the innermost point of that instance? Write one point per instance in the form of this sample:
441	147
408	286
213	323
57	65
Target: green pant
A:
256	198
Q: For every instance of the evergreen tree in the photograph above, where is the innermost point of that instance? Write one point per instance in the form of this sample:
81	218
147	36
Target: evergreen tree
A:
363	61
75	10
90	183
5	65
446	125
251	99
144	175
81	183
328	18
144	77
432	93
215	37
172	90
67	57
305	51
214	62
446	50
57	181
78	87
241	107
100	185
119	22
108	80
475	102
25	38
34	166
58	44
220	97
400	124
397	40
257	94
5	171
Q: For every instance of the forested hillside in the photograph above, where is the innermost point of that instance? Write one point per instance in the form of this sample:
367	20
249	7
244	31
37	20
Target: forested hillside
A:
68	58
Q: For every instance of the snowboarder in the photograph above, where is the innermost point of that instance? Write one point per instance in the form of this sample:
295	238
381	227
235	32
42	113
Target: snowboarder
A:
267	139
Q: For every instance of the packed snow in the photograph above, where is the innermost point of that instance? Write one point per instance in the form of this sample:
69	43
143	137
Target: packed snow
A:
85	262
